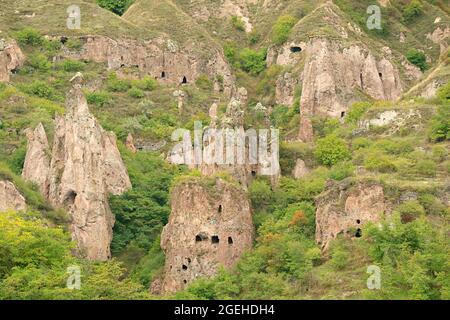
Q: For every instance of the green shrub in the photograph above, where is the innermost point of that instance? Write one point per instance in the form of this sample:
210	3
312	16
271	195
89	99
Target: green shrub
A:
440	125
417	58
379	162
147	83
117	6
356	111
342	170
72	65
203	82
74	44
282	29
254	37
412	10
238	23
444	93
432	204
39	62
331	150
410	210
260	193
439	153
426	168
29	36
135	93
253	62
114	84
40	89
99	98
339	256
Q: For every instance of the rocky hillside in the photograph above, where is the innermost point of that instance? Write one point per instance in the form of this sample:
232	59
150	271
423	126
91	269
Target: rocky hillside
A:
100	167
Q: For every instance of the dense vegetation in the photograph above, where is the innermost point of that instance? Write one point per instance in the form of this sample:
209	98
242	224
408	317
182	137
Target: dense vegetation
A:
410	246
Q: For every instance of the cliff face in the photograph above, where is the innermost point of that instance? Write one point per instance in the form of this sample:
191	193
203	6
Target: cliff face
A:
10	197
332	74
208	227
344	209
37	161
85	167
11	58
161	58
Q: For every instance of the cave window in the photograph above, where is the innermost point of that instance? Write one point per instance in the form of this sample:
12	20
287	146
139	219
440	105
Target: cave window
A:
296	49
220	209
189	260
184	281
184	267
122	65
184	81
253	174
358	233
163	74
200	237
381	75
342	114
230	240
358	221
64	40
214	239
70	198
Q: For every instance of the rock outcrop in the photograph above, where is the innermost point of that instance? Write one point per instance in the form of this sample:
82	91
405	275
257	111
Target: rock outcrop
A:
37	161
209	226
10	197
85	168
333	73
11	58
344	208
160	58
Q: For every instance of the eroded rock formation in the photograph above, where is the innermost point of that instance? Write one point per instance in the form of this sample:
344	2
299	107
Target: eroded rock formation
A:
209	226
85	168
37	161
161	58
11	58
10	197
331	75
344	208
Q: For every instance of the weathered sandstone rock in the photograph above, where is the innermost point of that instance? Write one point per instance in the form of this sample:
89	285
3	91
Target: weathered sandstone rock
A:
209	226
11	58
10	197
85	168
344	208
37	161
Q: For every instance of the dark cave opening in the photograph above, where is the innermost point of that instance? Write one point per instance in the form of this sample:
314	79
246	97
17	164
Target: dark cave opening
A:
184	81
358	233
230	240
296	49
215	239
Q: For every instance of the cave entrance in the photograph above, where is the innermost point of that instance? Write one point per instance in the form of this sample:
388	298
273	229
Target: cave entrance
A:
358	221
358	233
184	267
220	209
215	239
69	199
381	75
184	81
201	237
253	173
63	40
163	74
296	49
230	240
342	114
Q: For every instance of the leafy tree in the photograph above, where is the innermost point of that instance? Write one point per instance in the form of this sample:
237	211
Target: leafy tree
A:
253	62
282	29
412	10
417	58
331	150
117	6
